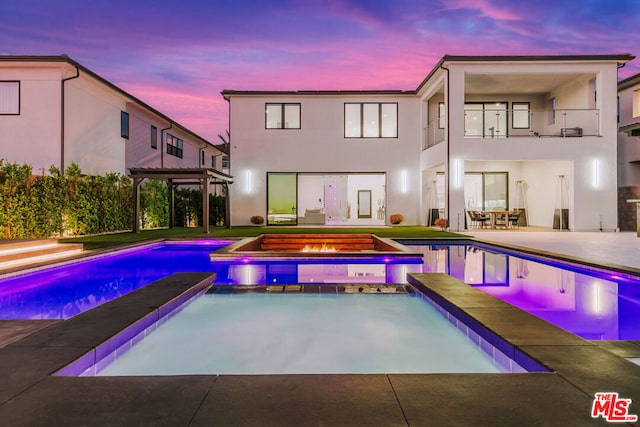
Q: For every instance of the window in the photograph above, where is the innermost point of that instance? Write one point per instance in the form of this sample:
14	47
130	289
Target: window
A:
636	103
441	115
124	125
213	161
282	202
486	190
520	115
174	146
485	120
282	116
202	158
371	120
552	111
154	137
225	162
9	98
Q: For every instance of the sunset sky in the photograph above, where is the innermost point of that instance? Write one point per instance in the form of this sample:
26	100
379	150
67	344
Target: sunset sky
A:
178	56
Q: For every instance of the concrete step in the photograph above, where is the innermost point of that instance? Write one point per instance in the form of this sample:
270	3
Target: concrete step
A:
27	252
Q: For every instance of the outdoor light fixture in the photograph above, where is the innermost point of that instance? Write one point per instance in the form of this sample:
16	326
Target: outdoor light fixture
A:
248	182
595	173
404	182
458	171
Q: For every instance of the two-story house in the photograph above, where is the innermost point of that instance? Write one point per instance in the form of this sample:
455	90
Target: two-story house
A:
55	111
628	151
533	133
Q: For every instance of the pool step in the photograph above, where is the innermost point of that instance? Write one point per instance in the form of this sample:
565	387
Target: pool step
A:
15	254
297	242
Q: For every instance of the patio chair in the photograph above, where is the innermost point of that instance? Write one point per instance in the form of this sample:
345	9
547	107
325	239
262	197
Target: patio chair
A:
514	217
483	219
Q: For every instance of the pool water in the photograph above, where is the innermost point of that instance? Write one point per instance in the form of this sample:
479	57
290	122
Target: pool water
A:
303	333
596	305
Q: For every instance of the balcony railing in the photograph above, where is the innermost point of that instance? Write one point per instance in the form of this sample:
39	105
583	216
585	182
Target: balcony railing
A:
503	123
525	123
433	133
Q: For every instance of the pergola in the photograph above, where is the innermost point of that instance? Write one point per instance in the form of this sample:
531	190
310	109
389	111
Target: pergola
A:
181	176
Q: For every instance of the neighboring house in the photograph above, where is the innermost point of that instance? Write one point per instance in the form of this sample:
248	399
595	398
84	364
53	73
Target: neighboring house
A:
536	133
54	111
628	151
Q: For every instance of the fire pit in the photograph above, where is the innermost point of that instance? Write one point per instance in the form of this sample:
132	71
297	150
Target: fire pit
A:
289	246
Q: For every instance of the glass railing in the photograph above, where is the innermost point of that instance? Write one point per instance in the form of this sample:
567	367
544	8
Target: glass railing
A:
525	123
564	123
433	134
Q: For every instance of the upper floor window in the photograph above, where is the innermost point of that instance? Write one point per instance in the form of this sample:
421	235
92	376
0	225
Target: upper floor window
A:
213	161
124	125
225	162
636	103
174	146
282	116
9	98
371	120
154	137
520	115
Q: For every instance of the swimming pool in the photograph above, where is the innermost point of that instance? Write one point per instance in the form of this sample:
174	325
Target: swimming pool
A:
302	333
591	303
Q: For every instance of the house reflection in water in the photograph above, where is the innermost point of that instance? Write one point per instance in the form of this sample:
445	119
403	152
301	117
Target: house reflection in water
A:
587	305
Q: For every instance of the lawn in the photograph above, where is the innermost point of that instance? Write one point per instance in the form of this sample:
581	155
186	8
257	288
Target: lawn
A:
116	239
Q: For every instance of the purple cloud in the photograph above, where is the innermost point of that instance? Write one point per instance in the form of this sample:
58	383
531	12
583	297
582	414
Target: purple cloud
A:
178	55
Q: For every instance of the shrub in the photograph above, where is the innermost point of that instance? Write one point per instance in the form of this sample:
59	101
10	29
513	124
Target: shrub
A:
396	219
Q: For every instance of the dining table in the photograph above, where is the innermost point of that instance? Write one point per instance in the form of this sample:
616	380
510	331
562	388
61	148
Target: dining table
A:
494	215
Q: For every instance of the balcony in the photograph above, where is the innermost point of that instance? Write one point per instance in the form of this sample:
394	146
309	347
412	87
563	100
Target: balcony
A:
503	123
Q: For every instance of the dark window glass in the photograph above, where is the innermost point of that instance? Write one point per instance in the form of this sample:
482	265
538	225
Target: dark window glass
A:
124	125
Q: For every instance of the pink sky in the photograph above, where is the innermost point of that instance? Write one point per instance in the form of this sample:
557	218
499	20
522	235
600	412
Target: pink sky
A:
177	56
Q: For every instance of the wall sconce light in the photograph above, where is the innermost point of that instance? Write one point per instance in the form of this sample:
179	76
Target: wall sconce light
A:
248	181
595	173
404	181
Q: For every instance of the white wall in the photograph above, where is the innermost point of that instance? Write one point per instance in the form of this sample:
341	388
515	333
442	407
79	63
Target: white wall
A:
320	147
33	136
92	129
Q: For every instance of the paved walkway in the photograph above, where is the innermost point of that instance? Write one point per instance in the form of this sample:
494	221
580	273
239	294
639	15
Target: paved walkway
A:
604	247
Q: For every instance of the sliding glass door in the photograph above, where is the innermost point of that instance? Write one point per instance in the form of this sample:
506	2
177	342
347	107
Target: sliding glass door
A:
282	202
485	120
486	190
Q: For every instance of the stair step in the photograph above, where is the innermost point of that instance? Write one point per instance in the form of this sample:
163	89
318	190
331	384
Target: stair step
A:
30	252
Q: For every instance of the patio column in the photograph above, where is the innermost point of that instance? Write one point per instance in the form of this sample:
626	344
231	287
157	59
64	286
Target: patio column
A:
205	204
171	188
136	205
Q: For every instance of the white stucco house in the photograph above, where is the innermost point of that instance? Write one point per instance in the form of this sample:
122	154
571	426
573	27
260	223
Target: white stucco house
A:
55	111
628	151
534	133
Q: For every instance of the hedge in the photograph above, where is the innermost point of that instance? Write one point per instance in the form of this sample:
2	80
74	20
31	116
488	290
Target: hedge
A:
70	203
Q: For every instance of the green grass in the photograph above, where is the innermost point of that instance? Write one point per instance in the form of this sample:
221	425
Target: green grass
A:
117	239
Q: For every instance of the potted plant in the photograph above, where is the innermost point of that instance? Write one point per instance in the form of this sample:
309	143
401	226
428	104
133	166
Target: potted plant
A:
396	219
441	223
257	220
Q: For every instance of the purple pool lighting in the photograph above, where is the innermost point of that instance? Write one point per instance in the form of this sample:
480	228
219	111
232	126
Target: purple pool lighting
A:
592	303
